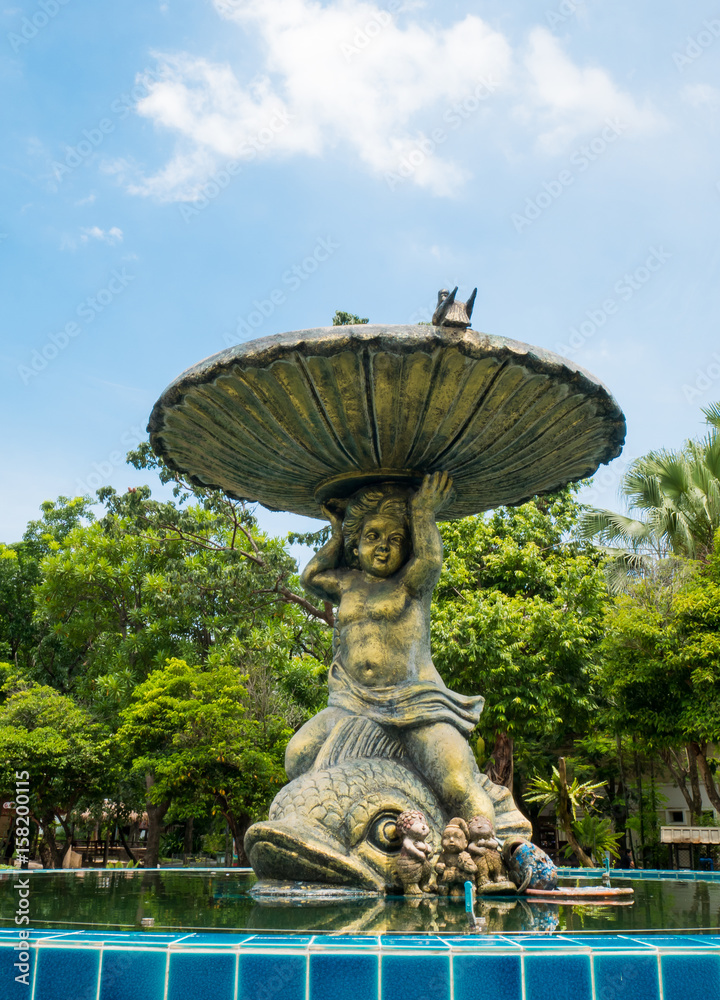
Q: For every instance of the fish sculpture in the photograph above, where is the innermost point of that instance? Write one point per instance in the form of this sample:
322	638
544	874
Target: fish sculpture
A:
336	823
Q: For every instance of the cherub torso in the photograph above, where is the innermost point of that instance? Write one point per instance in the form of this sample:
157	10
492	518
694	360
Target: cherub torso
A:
383	632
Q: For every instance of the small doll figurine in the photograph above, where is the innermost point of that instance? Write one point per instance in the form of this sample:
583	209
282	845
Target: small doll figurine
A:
455	866
484	849
485	852
413	866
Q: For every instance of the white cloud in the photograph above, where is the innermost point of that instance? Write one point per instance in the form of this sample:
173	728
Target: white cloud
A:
701	95
350	76
85	201
567	101
111	236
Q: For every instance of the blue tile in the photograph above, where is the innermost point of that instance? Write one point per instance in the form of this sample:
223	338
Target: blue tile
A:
616	942
281	940
127	974
411	941
690	977
473	942
707	940
66	973
627	977
343	977
201	977
547	943
487	977
210	940
54	935
350	941
272	977
682	941
24	957
423	977
135	938
557	977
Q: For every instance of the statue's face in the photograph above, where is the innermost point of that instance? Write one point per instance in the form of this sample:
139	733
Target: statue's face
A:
383	546
420	828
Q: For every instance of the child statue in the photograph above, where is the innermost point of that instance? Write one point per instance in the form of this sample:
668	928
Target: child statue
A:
412	867
379	568
455	865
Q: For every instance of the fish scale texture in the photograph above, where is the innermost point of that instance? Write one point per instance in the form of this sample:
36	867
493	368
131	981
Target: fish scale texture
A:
328	795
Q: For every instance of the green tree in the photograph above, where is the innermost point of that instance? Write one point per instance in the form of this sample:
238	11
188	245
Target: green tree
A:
567	798
661	674
517	617
152	580
33	647
347	319
673	501
64	750
192	729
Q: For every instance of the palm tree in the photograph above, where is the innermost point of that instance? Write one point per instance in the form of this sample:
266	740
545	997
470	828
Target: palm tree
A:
566	800
674	503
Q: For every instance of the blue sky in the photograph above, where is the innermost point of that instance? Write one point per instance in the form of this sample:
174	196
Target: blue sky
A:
171	168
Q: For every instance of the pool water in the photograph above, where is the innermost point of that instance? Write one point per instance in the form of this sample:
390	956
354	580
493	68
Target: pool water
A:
192	900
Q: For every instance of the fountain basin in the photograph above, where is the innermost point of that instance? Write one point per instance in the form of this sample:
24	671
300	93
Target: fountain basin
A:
181	962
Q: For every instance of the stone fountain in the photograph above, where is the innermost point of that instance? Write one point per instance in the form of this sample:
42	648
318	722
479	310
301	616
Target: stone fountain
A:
382	430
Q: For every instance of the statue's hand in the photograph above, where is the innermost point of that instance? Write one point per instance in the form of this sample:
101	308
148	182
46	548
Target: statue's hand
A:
434	492
334	511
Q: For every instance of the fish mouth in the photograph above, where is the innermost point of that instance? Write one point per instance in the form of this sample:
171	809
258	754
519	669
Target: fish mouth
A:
282	851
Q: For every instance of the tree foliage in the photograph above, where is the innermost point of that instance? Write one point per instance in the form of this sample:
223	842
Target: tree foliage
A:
64	750
673	502
661	672
517	617
347	319
194	729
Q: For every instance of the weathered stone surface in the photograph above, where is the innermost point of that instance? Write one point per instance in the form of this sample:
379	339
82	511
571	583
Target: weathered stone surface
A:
294	419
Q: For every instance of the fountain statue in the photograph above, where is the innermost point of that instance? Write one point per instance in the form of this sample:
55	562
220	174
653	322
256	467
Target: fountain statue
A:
382	430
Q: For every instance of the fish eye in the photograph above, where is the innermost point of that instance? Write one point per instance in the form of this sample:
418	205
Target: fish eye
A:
383	834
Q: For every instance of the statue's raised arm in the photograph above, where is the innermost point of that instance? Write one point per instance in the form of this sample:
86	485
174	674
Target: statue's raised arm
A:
422	571
322	577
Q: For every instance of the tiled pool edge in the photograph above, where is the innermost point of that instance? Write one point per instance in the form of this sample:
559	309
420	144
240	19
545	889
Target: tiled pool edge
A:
94	965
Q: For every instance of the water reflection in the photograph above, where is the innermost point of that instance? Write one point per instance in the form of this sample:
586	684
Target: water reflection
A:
420	915
222	901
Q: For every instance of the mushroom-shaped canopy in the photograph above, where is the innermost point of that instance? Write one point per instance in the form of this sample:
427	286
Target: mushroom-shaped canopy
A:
295	419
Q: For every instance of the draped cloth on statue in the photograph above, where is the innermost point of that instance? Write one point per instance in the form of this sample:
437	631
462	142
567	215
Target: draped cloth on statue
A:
405	706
